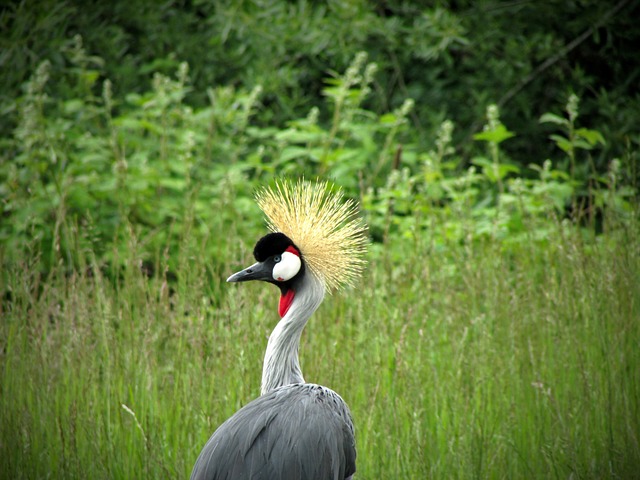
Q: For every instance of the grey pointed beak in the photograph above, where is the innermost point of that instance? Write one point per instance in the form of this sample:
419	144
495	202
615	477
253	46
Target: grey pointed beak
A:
257	271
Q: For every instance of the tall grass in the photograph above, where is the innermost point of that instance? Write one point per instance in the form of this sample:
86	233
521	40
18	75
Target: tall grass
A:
468	361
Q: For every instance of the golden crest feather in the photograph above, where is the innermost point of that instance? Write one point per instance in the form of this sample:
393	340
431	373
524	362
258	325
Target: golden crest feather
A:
326	229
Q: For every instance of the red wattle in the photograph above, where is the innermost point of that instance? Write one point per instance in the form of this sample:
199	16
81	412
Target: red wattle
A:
285	302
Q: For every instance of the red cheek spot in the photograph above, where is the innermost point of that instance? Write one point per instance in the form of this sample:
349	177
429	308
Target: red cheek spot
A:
285	302
292	249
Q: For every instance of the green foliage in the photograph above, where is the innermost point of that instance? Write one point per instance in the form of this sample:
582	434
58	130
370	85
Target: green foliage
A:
498	319
473	360
453	58
574	138
154	165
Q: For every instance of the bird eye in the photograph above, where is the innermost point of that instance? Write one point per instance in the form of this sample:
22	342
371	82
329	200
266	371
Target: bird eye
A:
277	258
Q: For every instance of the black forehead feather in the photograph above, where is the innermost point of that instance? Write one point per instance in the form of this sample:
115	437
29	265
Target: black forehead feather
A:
271	244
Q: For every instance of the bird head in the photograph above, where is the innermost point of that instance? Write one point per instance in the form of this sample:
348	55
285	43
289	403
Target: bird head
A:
278	261
310	227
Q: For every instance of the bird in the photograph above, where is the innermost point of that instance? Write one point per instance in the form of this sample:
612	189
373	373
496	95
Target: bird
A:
294	430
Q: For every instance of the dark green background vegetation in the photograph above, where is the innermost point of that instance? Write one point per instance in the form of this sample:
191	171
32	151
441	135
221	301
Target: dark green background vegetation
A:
493	147
118	112
452	58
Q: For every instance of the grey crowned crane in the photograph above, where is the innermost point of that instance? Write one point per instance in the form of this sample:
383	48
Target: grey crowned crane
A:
295	430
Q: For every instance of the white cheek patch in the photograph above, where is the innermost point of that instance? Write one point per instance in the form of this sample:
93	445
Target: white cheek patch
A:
287	268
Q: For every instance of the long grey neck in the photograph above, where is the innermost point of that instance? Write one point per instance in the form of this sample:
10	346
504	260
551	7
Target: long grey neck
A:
281	364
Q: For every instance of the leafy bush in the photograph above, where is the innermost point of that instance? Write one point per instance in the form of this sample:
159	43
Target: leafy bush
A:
453	58
155	167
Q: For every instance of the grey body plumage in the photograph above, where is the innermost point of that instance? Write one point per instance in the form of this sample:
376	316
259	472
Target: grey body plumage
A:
298	431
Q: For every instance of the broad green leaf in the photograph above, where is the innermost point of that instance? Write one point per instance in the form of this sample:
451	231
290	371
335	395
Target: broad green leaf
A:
90	76
298	136
505	168
497	135
482	162
591	136
388	119
292	153
488	168
562	142
553	118
583	144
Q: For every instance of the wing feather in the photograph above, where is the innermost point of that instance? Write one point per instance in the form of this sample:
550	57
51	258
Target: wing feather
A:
300	431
